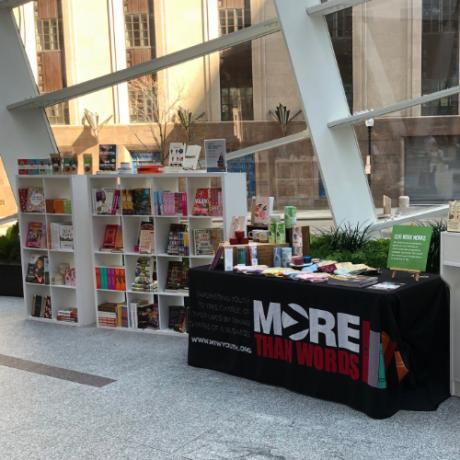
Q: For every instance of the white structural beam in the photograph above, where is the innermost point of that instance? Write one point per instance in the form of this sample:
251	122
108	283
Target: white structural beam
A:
333	6
323	97
12	3
402	105
302	135
426	213
23	134
236	38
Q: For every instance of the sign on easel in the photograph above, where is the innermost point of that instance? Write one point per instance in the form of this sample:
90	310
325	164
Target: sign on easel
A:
409	249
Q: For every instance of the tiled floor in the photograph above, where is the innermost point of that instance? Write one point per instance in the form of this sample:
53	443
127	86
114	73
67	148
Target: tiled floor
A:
159	408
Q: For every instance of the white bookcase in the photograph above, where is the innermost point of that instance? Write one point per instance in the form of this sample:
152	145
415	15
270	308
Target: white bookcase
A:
79	296
234	200
450	272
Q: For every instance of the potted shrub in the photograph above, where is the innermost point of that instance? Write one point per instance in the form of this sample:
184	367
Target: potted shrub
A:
10	263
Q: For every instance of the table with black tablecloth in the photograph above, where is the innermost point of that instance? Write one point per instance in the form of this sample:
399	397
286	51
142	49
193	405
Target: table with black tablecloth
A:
376	351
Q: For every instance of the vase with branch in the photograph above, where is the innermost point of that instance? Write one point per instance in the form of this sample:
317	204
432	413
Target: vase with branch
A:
187	121
282	115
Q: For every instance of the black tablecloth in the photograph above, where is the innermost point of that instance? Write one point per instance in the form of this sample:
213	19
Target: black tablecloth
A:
376	351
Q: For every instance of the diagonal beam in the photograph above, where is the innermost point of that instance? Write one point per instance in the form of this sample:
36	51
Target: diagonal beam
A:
236	38
332	6
302	135
402	105
12	3
427	213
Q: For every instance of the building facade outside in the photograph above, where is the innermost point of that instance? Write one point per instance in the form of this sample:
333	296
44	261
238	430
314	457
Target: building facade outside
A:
387	51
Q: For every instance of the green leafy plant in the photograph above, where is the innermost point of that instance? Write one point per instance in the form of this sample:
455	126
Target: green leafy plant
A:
283	116
10	247
187	120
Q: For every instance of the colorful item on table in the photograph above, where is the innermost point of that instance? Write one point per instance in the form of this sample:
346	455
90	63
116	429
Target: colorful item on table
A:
280	233
250	269
241	256
327	266
297	261
290	216
286	254
278	272
277	257
313	277
253	254
228	259
312	268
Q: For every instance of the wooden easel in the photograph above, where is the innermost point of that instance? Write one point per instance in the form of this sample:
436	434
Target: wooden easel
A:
415	273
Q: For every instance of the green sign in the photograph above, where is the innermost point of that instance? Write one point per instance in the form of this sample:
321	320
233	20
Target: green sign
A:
409	248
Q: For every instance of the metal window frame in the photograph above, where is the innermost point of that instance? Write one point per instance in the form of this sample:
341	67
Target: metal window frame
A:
330	123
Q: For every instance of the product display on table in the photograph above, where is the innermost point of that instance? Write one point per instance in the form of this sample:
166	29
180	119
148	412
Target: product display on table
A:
261	210
376	351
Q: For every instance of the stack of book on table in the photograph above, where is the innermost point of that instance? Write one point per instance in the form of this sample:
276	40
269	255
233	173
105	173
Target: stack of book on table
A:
359	281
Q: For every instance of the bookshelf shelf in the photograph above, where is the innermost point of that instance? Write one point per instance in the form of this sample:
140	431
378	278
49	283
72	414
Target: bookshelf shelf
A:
60	191
232	199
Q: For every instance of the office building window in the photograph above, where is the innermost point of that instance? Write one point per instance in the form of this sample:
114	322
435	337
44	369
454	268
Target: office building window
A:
48	34
236	90
233	19
341	29
137	30
440	48
58	114
141	105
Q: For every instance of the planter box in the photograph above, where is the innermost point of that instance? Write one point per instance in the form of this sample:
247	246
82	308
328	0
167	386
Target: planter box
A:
11	280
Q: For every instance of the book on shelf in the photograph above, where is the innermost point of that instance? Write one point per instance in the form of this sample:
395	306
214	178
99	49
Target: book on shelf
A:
136	202
36	235
113	238
207	240
217	257
111	314
106	201
34	166
146	238
143	276
68	315
208	202
60	236
176	154
192	156
178	240
177	276
22	197
59	206
65	275
215	153
38	270
111	278
148	316
261	210
41	306
108	158
70	163
177	318
35	199
170	203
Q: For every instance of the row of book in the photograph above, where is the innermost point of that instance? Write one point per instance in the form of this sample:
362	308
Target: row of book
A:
106	201
170	203
41	306
60	235
34	167
68	315
112	278
112	315
140	315
32	199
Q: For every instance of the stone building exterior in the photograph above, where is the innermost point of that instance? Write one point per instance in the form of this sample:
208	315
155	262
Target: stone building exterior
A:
387	50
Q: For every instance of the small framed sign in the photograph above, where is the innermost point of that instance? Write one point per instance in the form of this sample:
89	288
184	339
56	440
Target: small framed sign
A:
215	152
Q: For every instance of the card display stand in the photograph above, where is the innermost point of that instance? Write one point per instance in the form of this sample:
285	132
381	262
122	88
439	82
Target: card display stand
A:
234	203
63	297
